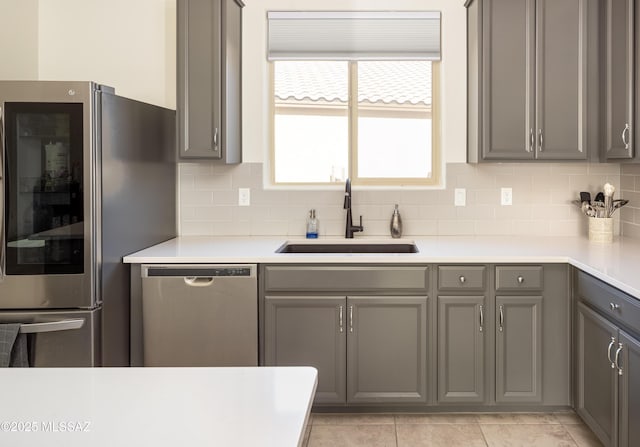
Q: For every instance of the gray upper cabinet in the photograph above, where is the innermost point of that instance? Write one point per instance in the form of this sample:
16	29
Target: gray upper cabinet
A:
619	82
209	71
528	80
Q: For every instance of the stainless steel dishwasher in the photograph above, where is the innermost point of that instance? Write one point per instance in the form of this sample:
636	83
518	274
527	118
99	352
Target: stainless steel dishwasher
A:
200	315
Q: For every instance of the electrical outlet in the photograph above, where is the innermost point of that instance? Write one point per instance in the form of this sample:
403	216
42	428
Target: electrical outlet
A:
506	196
244	196
460	197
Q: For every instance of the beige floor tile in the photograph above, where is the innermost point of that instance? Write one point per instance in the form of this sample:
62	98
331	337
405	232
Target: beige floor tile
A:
307	432
435	418
583	436
352	419
568	417
517	418
439	435
526	435
352	436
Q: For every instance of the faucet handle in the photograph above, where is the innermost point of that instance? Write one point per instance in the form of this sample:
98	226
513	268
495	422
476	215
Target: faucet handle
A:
360	227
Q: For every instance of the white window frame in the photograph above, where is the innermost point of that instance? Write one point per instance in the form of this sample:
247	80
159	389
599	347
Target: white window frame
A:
436	167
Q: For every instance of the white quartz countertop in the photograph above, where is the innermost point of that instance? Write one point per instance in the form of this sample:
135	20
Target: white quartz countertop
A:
617	263
106	407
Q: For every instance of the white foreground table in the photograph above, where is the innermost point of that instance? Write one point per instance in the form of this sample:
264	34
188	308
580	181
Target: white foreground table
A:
260	406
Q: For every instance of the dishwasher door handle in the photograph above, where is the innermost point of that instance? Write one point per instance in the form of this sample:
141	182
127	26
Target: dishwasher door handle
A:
198	281
51	326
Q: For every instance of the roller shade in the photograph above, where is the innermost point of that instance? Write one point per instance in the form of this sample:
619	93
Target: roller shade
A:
322	35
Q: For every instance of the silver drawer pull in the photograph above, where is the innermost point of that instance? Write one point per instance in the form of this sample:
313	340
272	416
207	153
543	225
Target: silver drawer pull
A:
350	318
614	306
613	342
51	326
462	279
481	317
520	279
501	318
540	139
340	319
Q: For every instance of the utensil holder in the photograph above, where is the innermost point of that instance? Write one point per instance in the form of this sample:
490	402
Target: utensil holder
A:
601	229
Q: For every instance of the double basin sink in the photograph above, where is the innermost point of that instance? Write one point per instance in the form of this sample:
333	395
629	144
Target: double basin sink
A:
348	247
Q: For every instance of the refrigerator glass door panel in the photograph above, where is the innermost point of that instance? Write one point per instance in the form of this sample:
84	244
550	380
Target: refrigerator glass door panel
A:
44	188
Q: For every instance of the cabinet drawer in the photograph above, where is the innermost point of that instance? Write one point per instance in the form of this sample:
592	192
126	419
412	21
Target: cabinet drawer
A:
518	277
346	278
457	277
612	302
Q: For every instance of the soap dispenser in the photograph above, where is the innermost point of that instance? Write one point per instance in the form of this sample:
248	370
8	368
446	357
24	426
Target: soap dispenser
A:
312	225
396	224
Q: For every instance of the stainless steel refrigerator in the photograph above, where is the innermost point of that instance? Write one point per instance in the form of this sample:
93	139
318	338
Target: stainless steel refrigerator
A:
87	178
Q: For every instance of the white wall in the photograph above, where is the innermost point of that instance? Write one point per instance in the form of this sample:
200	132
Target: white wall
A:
18	39
453	66
127	44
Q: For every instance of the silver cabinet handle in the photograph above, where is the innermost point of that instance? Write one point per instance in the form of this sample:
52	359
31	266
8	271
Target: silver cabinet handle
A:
462	279
51	326
501	318
614	306
215	138
520	279
625	131
532	140
340	321
350	318
540	140
613	342
618	351
481	317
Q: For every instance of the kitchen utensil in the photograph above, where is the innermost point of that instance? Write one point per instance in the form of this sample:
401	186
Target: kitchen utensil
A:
609	190
600	208
588	209
599	197
585	197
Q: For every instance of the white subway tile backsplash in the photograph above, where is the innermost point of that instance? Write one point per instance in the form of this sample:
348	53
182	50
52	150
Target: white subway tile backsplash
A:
542	195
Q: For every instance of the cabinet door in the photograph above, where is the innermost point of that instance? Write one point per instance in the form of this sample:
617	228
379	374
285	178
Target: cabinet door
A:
561	79
619	82
387	352
508	59
519	349
309	331
629	382
461	348
198	78
596	388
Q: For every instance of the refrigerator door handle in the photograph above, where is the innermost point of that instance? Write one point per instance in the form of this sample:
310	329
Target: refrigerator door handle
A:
52	326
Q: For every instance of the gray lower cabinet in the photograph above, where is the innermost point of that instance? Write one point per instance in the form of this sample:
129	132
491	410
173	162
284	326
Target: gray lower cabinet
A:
209	66
530	79
309	331
461	349
607	358
367	349
519	349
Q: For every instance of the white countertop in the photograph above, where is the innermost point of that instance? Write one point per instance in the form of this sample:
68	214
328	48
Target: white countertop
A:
96	407
617	263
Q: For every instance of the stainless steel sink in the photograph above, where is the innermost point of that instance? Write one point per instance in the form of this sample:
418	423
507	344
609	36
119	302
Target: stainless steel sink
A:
356	247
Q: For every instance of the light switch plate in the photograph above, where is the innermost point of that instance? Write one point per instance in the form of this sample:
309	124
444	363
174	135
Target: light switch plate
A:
460	197
244	196
506	197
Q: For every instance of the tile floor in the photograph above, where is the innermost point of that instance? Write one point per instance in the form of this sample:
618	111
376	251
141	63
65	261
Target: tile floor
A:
562	429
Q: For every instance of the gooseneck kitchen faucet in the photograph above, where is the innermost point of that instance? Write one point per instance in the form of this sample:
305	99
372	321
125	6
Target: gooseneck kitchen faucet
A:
350	228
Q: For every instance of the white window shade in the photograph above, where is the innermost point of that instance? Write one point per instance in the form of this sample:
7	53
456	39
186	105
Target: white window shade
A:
321	35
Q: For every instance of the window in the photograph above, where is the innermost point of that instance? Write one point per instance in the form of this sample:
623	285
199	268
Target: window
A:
372	121
354	95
